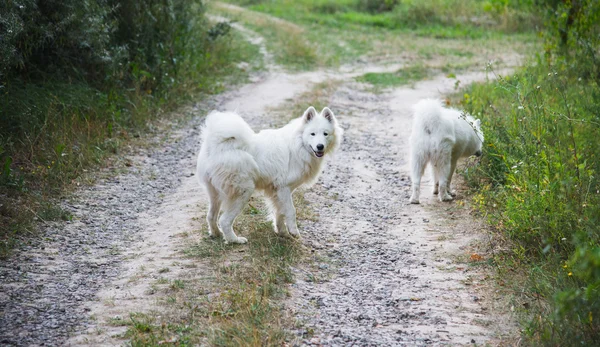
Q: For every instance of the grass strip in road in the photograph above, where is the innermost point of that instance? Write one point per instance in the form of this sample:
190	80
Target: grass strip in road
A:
239	302
403	76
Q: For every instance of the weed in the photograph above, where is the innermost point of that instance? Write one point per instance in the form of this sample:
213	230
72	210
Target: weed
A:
177	284
537	183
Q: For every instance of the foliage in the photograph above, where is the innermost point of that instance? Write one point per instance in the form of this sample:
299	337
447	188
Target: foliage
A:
79	78
50	35
538	181
574	35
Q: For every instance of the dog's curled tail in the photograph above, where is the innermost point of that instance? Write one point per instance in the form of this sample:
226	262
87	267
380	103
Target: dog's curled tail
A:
427	114
226	131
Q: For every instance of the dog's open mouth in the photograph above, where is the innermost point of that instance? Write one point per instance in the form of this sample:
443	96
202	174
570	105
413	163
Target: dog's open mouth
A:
318	154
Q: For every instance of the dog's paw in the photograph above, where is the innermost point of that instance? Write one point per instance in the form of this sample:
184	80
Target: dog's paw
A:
453	193
239	240
414	201
446	197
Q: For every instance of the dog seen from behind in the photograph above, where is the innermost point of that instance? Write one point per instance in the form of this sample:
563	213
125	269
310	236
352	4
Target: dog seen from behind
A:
234	161
440	136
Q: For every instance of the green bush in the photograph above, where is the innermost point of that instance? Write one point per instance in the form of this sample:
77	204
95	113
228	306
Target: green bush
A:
78	78
44	36
574	36
538	181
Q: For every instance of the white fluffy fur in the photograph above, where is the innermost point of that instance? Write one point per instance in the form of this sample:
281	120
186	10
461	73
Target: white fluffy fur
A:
440	136
234	161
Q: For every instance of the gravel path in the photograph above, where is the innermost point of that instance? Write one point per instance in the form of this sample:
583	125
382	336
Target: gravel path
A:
393	276
43	286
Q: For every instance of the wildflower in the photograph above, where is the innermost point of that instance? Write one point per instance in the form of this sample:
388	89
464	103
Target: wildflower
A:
570	274
521	108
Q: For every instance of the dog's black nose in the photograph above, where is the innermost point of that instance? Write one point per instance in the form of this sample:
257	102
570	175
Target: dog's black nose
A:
320	147
478	154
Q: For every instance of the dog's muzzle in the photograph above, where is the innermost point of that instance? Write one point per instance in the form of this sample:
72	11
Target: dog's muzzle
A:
478	154
318	154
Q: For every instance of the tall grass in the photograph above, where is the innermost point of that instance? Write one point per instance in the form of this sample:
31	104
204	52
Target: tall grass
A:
539	185
538	182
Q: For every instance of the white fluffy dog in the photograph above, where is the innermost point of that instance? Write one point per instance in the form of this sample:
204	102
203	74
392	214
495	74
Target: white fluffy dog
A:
234	161
440	136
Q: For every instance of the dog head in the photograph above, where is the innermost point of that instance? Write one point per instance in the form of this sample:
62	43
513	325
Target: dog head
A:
321	134
476	124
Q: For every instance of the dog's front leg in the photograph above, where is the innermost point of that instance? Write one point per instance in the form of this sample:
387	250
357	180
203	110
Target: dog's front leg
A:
284	197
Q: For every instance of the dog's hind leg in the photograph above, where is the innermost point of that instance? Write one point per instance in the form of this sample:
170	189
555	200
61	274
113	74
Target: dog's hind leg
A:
445	174
435	175
285	209
452	169
417	169
214	206
232	207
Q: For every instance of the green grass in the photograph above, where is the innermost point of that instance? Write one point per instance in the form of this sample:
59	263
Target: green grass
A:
54	130
403	76
442	18
538	185
325	34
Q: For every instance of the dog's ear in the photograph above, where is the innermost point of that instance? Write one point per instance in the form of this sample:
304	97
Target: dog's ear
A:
309	114
477	123
328	114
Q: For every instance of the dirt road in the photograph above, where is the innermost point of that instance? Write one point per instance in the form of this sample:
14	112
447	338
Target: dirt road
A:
392	273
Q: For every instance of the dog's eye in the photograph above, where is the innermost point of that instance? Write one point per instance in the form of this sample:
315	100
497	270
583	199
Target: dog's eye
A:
325	134
312	134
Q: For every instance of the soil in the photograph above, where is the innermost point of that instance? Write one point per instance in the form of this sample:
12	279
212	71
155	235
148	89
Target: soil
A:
391	273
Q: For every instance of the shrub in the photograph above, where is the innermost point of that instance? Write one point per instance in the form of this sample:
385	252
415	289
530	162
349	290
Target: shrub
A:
78	77
46	36
539	178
